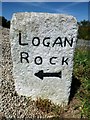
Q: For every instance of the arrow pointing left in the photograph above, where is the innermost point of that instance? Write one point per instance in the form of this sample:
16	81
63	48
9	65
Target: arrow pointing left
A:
41	74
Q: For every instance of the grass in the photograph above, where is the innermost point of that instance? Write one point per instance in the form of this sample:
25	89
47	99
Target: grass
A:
82	73
83	32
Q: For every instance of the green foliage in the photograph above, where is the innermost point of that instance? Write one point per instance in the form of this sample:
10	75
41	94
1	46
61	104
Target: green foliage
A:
4	22
84	23
82	72
84	30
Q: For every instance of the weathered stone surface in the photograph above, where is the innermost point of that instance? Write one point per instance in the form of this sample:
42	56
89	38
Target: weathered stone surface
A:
46	43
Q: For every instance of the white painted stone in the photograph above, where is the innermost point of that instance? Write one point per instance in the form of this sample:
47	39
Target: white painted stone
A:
43	25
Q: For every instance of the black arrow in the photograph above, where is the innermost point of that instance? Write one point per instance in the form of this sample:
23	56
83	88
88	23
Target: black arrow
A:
41	74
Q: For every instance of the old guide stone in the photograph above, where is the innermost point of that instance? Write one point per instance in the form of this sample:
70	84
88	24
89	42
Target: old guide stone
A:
42	49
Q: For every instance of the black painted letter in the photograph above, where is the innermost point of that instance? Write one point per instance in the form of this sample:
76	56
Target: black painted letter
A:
69	42
20	43
24	55
37	42
64	61
53	63
38	60
47	43
58	41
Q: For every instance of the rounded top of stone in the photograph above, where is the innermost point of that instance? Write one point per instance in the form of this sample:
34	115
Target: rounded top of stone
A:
18	14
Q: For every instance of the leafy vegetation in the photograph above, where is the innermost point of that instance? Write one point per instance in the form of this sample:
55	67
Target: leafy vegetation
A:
82	72
84	30
4	22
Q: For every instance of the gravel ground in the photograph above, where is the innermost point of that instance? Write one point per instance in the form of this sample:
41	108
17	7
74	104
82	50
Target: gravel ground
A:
85	43
12	105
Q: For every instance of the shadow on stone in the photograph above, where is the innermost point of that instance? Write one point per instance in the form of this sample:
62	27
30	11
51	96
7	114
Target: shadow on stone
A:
75	85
